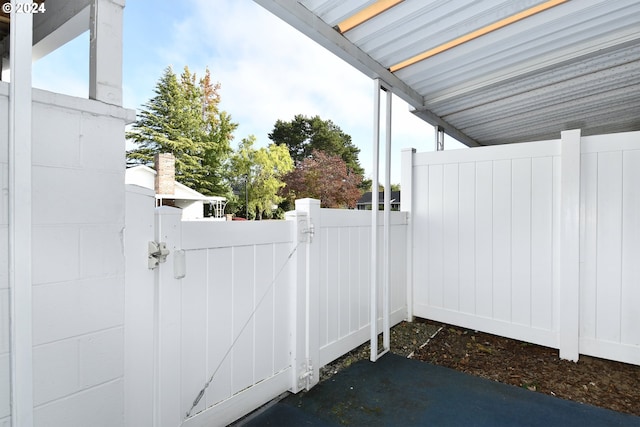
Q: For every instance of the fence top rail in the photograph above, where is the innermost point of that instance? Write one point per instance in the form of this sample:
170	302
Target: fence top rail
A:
548	148
356	218
611	142
211	235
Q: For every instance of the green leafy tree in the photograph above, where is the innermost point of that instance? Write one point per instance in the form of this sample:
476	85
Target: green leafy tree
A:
366	186
304	134
259	172
184	118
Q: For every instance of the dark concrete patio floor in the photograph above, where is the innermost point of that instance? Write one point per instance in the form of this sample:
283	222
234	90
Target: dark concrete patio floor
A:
396	391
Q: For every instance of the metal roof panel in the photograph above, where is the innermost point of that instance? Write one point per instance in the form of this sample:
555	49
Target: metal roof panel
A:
575	64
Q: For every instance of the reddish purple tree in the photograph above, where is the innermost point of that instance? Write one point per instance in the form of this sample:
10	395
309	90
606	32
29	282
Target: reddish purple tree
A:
325	177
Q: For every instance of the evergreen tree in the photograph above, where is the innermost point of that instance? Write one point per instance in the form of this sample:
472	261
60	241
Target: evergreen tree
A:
183	118
304	135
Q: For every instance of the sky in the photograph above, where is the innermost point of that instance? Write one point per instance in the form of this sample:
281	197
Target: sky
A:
267	71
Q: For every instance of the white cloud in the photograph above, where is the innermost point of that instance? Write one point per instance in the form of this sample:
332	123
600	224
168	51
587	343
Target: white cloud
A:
267	69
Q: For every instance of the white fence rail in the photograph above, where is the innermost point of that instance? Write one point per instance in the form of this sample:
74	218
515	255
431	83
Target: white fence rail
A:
261	307
535	241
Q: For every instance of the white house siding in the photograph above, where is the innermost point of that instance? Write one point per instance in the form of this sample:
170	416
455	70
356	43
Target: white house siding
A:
78	261
191	209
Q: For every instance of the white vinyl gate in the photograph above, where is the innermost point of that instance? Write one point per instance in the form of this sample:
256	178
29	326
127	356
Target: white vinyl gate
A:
239	313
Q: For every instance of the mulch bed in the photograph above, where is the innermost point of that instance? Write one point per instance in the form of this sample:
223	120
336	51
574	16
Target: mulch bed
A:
598	382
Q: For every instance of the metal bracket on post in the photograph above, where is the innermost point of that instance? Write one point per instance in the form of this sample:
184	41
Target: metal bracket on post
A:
439	138
307	231
306	374
157	254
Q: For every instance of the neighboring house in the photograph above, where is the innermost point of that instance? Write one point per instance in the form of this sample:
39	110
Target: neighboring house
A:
169	192
364	203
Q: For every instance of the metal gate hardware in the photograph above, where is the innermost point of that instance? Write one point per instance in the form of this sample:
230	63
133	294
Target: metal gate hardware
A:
157	253
310	231
306	374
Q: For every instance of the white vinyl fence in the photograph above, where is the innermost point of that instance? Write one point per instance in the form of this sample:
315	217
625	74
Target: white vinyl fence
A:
536	241
241	312
345	275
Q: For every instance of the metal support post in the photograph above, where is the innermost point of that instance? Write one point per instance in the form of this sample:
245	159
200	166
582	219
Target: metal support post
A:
374	222
439	138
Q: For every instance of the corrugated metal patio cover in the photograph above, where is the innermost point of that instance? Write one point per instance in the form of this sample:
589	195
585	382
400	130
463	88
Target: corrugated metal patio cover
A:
491	71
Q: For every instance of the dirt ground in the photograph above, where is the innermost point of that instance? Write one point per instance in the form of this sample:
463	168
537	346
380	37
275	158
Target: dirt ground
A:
599	382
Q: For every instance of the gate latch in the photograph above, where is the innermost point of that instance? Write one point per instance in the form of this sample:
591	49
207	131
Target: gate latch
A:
157	254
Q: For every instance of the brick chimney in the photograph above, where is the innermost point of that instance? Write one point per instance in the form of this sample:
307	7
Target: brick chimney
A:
165	182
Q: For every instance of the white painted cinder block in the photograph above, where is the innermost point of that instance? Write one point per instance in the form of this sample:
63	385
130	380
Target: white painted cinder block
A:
4	191
4	257
101	357
98	137
55	371
69	309
62	147
69	366
5	366
4	321
101	406
70	196
101	251
55	254
4	118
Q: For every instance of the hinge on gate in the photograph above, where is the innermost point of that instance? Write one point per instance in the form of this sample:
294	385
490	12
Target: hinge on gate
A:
157	253
306	374
309	230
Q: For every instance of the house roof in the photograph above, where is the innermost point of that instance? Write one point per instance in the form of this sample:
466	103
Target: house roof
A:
366	197
492	71
182	192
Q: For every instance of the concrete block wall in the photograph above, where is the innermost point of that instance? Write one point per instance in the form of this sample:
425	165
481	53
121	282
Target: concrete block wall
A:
77	261
4	267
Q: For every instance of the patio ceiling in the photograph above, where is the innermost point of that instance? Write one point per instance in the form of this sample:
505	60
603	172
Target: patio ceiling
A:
490	71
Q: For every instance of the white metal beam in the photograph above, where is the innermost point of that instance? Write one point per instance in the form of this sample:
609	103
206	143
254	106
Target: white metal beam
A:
375	202
20	221
301	18
374	222
429	117
386	282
